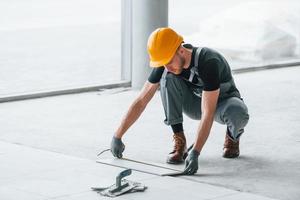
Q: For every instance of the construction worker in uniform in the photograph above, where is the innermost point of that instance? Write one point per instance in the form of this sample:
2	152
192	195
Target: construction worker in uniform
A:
195	81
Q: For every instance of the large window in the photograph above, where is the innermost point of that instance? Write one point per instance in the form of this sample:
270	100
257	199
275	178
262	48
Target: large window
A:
249	33
54	44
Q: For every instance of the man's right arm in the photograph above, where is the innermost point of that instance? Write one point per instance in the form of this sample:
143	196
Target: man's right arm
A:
136	108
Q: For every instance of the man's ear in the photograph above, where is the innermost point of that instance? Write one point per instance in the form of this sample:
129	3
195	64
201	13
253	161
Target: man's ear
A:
180	50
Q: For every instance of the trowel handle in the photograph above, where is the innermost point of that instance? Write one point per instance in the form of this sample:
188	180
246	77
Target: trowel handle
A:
122	174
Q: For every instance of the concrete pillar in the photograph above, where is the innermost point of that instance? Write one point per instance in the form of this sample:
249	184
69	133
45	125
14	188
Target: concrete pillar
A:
126	39
147	15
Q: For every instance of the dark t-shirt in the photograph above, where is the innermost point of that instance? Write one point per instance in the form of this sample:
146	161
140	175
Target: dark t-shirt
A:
211	68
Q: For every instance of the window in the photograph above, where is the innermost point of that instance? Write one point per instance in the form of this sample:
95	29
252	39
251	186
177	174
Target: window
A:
248	33
55	44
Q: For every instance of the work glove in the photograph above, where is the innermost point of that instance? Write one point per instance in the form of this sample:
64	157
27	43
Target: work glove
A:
191	163
117	147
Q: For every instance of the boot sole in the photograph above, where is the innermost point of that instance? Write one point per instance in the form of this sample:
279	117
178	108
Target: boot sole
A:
178	162
175	162
231	156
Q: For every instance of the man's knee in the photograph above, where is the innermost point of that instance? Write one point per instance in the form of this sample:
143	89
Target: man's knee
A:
237	115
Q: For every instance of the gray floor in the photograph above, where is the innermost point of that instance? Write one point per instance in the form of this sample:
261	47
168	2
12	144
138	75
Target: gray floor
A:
79	126
44	175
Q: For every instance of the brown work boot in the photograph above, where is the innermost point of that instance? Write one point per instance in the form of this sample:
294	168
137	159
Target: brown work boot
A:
179	153
231	148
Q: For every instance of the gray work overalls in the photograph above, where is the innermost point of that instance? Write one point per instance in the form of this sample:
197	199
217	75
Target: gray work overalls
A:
179	97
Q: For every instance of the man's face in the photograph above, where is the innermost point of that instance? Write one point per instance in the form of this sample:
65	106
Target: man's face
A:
176	64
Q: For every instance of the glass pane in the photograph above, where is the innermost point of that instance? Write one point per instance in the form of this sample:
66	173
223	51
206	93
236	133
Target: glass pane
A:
248	33
54	44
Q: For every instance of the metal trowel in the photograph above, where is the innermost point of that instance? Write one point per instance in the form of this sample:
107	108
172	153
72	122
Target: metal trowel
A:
121	186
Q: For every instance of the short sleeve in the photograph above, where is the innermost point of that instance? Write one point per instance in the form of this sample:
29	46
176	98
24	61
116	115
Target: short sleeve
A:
210	75
156	74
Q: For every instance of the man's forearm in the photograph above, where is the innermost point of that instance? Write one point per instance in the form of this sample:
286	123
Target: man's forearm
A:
131	116
208	105
203	132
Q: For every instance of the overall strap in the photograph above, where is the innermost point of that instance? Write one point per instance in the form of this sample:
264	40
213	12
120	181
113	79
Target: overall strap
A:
196	59
196	62
165	73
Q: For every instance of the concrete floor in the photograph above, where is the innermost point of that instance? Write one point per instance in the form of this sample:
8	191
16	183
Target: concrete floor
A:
79	126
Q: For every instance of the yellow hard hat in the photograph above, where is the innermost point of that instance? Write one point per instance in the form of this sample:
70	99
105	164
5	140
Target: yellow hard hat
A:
162	45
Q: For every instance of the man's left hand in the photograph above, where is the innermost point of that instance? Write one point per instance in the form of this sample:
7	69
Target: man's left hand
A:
191	163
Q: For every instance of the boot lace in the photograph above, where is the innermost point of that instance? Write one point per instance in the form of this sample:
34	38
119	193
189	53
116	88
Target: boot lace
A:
179	142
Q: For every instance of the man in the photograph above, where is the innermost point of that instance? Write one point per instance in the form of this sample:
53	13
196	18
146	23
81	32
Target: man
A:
194	81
